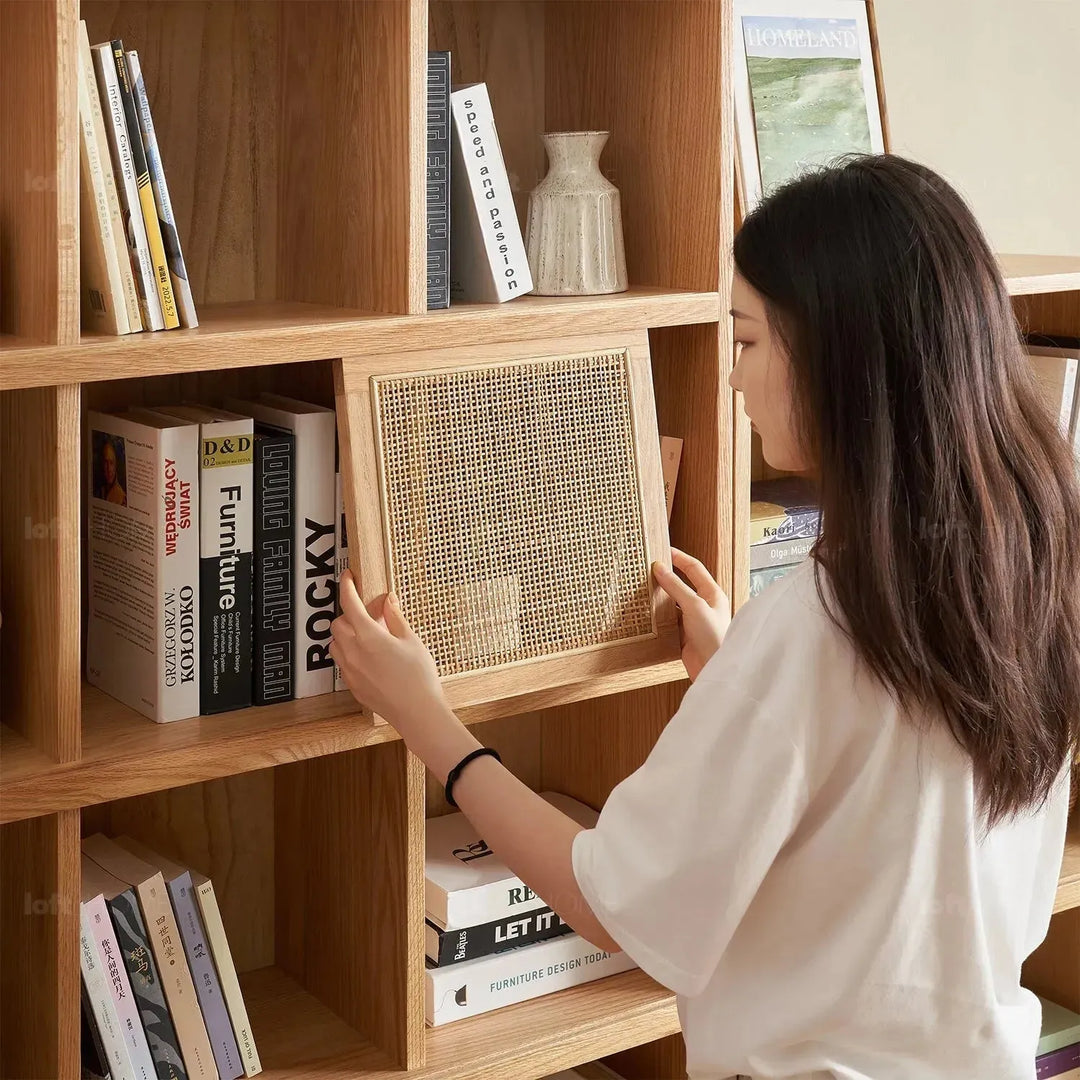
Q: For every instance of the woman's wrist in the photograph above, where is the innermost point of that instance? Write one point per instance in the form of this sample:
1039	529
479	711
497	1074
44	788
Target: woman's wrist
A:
441	742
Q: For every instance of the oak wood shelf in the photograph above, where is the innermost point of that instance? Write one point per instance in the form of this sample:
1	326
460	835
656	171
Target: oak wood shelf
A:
1028	274
1068	893
259	334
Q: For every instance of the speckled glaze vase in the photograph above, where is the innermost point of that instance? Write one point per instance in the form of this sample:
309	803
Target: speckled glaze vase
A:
574	237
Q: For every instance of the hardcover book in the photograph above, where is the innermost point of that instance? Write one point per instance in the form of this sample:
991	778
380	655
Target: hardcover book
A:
113	918
1063	1064
445	947
165	948
142	538
487	258
314	581
274	615
507	978
207	988
226	508
467	884
438	180
779	553
121	151
341	559
170	238
783	509
1060	1027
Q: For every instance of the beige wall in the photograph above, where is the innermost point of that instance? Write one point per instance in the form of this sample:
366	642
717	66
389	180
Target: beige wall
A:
987	92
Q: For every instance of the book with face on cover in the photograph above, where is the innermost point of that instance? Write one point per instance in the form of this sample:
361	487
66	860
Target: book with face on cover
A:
467	884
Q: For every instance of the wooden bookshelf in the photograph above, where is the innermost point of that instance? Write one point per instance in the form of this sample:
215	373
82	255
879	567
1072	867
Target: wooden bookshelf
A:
293	135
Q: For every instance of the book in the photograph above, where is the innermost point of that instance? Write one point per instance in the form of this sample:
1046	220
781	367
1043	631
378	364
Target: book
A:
438	180
165	948
273	619
487	256
93	1058
113	918
170	238
104	305
193	936
162	280
783	509
670	456
1060	1027
780	553
1056	373
760	580
445	947
120	150
1060	1064
142	538
478	986
341	559
466	883
226	512
314	583
226	970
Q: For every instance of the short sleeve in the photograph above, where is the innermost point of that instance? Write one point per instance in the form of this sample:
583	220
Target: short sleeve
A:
682	845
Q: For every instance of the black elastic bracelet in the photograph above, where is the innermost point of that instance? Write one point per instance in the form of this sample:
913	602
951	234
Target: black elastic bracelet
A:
455	772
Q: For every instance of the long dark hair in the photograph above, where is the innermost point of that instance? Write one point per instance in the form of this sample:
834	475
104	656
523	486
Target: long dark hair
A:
950	502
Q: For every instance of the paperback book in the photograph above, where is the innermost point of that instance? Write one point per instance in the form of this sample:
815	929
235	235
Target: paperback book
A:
438	180
783	509
445	947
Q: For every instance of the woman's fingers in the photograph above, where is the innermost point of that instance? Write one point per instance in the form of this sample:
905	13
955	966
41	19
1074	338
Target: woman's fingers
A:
674	585
699	577
352	607
395	619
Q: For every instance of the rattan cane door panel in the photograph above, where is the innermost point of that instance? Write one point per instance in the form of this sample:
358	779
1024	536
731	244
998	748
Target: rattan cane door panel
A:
516	506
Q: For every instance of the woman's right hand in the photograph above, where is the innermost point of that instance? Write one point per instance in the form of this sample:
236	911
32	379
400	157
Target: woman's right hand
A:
704	609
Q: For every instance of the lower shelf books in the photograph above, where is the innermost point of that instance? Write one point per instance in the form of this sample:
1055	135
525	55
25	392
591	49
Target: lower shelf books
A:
1059	1043
760	580
478	986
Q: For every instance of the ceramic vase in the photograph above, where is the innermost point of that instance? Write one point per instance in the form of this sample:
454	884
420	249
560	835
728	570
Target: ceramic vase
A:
574	237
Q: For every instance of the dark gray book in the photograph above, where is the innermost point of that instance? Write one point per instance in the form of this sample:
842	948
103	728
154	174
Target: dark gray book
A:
438	180
445	947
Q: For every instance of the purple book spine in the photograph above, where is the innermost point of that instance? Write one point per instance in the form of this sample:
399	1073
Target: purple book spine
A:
207	987
1054	1064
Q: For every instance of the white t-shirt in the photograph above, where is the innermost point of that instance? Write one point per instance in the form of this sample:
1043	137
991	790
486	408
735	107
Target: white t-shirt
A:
805	870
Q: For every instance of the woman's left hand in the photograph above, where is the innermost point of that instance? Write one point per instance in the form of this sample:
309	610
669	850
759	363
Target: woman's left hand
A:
385	664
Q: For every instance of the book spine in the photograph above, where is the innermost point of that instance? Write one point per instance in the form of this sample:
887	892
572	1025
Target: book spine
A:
94	1056
111	954
496	900
760	580
341	559
446	947
99	999
226	969
227	519
130	293
797	526
1052	1065
134	227
159	264
147	986
670	456
275	513
518	975
103	304
185	302
178	573
779	553
488	187
176	976
316	586
207	989
438	180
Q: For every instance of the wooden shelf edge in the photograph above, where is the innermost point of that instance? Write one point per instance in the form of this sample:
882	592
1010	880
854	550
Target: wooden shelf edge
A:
1068	893
125	754
256	335
1029	274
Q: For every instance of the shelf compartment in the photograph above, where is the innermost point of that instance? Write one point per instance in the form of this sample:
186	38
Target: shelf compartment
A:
266	333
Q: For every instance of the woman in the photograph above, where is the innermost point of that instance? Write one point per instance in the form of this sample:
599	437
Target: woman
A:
848	838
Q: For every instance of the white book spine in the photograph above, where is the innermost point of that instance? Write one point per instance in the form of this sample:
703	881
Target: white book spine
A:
142	264
478	986
127	1009
102	1004
130	293
185	302
484	195
482	904
341	557
103	303
178	588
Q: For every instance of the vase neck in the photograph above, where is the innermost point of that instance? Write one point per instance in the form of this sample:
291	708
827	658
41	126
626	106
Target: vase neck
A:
575	151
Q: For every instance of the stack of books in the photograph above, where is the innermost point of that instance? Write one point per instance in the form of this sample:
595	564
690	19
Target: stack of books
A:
215	543
476	251
784	525
1058	1056
490	940
132	269
160	994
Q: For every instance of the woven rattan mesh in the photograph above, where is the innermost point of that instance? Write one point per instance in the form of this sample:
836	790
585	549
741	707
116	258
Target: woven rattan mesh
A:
512	510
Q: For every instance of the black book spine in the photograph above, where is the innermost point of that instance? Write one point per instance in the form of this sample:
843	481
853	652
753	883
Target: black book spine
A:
457	946
146	986
275	508
438	180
